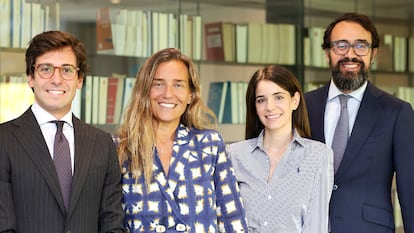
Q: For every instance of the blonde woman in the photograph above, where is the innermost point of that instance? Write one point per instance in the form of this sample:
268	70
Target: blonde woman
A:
177	176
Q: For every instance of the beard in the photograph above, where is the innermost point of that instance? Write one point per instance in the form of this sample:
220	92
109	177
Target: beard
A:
348	81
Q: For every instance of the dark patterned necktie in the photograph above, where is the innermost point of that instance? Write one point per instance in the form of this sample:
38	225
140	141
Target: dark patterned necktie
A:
341	133
62	160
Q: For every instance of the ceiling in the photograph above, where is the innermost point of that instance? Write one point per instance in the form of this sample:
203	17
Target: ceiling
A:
85	10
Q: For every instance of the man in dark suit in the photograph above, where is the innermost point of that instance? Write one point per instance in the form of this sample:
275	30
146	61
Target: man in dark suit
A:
380	139
32	197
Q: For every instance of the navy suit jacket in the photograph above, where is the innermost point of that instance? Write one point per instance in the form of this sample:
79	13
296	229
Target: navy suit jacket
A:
381	143
30	197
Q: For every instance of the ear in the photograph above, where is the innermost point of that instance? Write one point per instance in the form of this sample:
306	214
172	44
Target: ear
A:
295	101
30	81
374	54
80	83
190	98
327	55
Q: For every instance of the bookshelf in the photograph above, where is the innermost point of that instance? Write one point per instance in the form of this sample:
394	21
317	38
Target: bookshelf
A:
19	21
80	18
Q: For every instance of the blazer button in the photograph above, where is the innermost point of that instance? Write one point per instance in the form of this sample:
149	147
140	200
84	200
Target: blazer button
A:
335	187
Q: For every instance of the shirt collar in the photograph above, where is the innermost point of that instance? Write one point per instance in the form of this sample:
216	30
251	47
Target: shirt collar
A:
357	94
43	117
259	140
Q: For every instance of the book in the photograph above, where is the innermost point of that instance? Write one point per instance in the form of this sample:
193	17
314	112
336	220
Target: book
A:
95	99
128	86
5	23
241	43
254	43
155	31
37	19
162	30
220	41
197	37
216	99
16	6
26	24
317	54
87	99
77	103
114	98
139	35
231	104
111	99
119	98
118	19
411	54
103	31
103	96
131	34
172	31
9	86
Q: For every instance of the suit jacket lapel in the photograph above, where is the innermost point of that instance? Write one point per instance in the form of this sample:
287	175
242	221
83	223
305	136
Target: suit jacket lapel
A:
31	138
365	121
317	114
84	144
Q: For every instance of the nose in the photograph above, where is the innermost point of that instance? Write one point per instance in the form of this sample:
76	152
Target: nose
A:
351	52
57	76
270	104
168	91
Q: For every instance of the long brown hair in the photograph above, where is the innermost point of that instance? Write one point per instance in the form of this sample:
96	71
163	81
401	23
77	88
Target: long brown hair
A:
136	134
286	80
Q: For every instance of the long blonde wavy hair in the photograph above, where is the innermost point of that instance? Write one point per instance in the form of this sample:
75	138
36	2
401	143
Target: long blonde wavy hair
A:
136	133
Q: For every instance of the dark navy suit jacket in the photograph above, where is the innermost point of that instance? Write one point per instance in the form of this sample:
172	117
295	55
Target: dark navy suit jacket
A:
381	143
30	197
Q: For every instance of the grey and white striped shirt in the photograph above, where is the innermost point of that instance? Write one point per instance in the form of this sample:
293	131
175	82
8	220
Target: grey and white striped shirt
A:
296	199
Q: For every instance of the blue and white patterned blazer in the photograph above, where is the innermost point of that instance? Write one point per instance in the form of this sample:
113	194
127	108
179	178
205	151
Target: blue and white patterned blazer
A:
200	193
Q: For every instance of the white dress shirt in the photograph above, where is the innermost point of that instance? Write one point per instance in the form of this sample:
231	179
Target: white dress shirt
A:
48	128
333	109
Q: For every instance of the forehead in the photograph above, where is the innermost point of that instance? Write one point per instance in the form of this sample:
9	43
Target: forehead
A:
173	69
268	87
350	31
63	55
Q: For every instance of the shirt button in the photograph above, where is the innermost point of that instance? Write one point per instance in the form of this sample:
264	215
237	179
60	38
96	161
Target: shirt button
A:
335	187
269	197
265	223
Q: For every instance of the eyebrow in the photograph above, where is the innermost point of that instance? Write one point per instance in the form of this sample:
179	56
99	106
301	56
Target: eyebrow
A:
276	93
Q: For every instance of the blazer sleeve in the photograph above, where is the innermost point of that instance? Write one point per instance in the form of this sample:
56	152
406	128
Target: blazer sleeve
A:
111	214
7	212
404	164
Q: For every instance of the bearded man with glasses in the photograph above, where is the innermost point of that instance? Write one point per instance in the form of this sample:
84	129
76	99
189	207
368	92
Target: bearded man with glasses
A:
376	133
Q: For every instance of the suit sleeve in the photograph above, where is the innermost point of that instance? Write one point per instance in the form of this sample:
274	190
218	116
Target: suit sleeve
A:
111	214
404	164
7	212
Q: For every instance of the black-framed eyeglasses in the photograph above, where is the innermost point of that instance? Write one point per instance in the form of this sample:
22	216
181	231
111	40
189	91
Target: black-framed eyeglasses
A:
341	47
46	71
